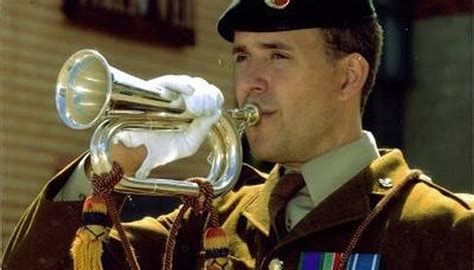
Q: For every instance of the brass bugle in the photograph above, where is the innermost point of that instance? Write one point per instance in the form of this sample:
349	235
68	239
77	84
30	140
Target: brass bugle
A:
90	92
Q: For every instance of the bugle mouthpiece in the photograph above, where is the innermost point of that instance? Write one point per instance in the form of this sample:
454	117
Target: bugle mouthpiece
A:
250	114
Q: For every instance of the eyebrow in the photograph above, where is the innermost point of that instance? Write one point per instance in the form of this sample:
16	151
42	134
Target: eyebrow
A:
263	45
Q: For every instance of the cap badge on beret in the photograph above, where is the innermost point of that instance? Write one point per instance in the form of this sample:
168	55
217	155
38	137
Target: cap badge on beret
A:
278	4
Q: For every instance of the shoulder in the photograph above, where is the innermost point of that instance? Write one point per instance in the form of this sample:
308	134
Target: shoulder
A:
443	219
419	200
434	209
437	200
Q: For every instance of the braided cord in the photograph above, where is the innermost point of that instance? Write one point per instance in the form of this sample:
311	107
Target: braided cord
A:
200	204
103	185
371	216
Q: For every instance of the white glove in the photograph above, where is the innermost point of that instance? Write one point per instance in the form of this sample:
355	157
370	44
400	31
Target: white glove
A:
202	99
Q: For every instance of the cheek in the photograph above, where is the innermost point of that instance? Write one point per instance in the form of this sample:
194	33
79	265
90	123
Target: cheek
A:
309	98
239	92
241	96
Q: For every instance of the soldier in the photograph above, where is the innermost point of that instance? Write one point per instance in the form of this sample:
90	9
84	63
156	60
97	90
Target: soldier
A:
333	200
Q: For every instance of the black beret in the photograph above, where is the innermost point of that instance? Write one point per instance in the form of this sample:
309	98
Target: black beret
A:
281	15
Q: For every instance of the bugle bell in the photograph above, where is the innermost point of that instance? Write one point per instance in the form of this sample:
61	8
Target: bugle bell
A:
89	92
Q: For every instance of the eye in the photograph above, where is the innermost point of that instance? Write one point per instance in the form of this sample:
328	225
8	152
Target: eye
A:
279	56
240	57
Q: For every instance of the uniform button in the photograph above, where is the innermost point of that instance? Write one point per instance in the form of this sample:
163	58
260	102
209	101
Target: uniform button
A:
385	182
275	264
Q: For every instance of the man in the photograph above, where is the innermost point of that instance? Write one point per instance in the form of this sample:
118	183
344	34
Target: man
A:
309	65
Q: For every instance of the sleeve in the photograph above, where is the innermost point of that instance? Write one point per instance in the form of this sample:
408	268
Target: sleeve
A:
42	237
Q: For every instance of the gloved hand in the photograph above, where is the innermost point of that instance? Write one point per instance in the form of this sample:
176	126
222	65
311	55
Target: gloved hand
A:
202	99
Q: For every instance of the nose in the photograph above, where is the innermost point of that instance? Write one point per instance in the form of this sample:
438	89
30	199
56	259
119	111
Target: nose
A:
250	79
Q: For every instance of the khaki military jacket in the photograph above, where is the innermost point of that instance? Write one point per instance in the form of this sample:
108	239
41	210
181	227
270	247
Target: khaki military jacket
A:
423	226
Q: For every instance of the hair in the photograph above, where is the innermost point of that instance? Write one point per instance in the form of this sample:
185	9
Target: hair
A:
366	39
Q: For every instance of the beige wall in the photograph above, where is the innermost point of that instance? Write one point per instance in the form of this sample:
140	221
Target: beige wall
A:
35	39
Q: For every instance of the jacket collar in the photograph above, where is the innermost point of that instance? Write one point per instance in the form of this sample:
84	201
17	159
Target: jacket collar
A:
350	202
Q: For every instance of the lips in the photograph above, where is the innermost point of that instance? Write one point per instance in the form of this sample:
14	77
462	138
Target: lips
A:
267	112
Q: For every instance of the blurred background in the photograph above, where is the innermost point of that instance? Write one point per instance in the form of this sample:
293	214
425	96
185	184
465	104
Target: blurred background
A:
422	103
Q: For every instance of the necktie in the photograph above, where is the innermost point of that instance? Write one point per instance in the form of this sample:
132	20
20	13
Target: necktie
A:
286	188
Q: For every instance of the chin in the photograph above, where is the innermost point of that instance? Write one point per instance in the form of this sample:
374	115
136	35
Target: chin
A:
262	152
263	147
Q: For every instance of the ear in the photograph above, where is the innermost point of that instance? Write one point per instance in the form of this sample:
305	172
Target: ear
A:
354	74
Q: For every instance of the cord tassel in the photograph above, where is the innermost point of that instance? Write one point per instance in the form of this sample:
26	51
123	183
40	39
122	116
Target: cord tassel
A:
99	213
216	249
87	247
215	242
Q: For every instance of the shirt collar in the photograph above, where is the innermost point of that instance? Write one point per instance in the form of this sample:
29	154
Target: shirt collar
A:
325	174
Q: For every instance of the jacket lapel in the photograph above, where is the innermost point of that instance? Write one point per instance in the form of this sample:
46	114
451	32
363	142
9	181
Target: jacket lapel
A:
353	200
257	210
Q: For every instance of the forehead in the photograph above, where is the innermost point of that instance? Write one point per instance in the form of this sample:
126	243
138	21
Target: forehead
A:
293	39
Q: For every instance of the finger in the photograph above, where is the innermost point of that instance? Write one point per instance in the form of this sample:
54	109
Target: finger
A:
147	165
219	98
143	172
128	138
194	103
201	126
178	83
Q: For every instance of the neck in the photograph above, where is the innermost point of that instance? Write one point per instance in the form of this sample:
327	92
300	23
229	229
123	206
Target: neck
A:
336	140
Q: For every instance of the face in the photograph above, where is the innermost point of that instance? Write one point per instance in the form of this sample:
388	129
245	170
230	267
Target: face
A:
290	77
